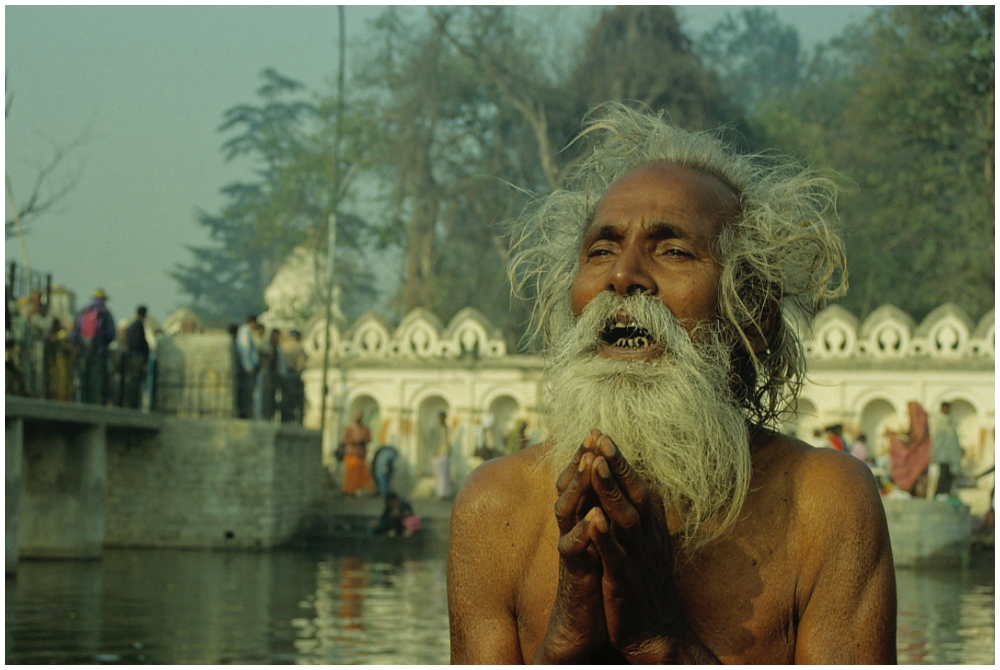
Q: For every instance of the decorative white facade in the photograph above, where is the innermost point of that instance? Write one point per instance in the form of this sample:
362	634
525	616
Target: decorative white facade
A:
861	375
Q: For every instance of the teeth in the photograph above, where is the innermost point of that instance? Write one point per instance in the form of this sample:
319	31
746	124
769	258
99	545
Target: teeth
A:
632	342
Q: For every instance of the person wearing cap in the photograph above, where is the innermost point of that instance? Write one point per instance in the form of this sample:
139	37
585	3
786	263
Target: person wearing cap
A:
93	332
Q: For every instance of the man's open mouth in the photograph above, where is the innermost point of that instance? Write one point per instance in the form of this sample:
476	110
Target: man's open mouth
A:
626	335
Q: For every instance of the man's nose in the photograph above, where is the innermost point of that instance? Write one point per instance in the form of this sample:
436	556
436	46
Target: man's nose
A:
630	274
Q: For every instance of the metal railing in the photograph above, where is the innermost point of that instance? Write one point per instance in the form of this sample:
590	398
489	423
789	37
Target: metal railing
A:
22	283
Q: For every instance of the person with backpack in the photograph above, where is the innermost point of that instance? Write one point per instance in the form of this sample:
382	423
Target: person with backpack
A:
93	332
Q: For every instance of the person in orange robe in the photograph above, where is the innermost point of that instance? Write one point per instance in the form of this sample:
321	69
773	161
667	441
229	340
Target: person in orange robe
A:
357	475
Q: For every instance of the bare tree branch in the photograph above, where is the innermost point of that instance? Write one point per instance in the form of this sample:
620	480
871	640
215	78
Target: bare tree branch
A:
532	111
53	181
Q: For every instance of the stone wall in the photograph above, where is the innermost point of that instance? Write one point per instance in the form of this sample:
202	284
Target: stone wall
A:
927	532
195	374
62	491
210	483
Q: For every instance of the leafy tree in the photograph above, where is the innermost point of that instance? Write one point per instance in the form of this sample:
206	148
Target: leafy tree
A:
902	107
641	53
910	122
923	129
757	57
471	104
288	139
445	148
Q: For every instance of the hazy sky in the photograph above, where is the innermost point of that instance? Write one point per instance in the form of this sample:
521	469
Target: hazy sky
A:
151	84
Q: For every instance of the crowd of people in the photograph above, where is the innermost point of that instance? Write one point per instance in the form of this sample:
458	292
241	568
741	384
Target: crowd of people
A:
372	476
92	358
268	379
86	359
924	460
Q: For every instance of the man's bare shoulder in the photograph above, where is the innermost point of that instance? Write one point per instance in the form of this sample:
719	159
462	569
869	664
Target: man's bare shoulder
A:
815	472
497	524
834	496
519	484
838	539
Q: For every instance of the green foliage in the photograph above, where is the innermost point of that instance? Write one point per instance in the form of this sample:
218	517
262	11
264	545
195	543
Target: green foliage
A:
640	53
461	114
446	144
757	57
902	107
289	142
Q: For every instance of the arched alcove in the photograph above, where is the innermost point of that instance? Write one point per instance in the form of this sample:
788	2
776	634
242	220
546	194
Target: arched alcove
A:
877	416
970	436
427	419
503	408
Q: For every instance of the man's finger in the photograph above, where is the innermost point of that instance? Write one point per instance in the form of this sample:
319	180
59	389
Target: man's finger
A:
570	504
567	475
634	487
575	542
611	551
620	510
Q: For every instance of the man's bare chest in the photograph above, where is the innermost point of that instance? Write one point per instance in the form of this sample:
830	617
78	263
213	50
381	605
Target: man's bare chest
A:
737	595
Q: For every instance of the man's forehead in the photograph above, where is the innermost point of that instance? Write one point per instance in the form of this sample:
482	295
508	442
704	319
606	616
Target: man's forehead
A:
665	193
696	181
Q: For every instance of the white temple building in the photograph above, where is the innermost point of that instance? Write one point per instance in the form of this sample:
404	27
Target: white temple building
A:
861	375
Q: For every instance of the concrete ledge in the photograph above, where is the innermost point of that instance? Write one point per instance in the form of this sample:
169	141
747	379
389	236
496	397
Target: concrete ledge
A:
927	532
211	484
72	412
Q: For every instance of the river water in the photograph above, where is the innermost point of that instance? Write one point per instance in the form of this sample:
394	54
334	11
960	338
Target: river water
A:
383	604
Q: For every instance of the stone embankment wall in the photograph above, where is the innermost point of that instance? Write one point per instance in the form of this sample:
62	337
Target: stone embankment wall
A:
214	484
927	532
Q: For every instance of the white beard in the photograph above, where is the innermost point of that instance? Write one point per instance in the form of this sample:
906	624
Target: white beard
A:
673	418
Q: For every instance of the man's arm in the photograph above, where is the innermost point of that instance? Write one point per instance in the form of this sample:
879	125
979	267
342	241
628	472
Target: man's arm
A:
847	594
481	560
497	522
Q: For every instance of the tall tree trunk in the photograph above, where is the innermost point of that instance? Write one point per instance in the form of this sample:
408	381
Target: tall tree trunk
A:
420	250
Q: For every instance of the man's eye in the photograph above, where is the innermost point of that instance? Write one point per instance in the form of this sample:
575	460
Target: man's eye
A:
677	253
594	253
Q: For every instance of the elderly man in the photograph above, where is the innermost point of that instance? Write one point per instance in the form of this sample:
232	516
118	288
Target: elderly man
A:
665	520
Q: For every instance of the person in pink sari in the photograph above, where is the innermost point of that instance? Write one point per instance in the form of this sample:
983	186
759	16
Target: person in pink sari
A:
910	453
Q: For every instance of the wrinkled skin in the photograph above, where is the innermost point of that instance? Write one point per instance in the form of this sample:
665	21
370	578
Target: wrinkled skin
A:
615	594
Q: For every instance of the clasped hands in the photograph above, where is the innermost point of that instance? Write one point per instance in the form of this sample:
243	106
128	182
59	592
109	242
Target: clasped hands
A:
615	596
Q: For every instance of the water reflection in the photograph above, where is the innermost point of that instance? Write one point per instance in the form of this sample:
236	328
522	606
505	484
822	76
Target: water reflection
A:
946	616
378	605
374	611
383	605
